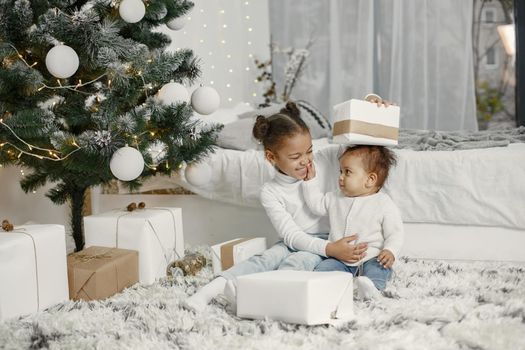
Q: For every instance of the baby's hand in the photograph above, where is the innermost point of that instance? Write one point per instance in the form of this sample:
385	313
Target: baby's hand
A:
310	171
386	258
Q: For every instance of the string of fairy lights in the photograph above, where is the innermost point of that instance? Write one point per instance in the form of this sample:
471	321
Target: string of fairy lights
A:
226	48
53	154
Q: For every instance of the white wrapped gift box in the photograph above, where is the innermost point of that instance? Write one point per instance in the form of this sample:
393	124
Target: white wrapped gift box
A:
156	233
364	123
229	253
296	296
33	269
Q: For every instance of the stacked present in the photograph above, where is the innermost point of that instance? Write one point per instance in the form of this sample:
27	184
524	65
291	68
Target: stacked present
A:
122	248
363	123
155	233
33	271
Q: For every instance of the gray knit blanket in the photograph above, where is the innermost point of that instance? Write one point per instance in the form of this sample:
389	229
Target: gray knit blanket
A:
429	140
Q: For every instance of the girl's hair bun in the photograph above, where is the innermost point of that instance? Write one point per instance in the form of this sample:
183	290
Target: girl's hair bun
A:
291	110
260	128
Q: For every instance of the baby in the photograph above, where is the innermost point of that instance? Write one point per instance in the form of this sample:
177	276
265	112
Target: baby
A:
360	208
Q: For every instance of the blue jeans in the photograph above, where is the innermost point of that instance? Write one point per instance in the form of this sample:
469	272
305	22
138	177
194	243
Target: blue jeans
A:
371	269
277	257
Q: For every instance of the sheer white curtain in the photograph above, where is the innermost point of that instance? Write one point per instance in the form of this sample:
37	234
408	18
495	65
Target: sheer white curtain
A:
414	52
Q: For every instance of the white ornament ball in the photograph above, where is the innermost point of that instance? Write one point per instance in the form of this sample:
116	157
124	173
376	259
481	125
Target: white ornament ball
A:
62	61
172	93
132	11
198	174
177	23
126	163
205	100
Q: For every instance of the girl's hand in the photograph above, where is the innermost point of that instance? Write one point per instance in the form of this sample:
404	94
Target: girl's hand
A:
373	98
386	258
344	250
310	171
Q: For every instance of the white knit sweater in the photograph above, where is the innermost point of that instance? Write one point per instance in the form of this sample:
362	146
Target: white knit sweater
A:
374	218
283	200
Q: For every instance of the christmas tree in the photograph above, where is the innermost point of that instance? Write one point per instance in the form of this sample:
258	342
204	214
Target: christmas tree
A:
89	92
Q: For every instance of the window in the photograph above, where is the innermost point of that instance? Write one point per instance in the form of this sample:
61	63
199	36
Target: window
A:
490	58
489	16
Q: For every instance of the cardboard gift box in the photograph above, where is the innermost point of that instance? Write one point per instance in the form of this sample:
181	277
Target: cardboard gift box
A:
156	233
100	272
229	253
302	297
364	123
33	273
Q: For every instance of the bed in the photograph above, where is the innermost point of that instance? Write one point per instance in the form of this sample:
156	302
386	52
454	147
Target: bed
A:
461	195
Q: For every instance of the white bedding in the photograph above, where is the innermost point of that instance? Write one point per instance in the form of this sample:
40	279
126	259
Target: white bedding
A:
483	187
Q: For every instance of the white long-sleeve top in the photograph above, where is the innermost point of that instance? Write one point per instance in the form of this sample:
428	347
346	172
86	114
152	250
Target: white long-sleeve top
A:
374	218
283	200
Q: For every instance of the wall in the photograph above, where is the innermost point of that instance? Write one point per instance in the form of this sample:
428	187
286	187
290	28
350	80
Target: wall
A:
227	36
19	207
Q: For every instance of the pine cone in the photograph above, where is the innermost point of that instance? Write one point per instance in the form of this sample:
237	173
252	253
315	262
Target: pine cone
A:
7	226
131	206
190	265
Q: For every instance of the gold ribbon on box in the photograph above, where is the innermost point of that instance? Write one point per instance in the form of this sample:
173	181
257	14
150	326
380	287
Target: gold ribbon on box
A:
365	128
227	253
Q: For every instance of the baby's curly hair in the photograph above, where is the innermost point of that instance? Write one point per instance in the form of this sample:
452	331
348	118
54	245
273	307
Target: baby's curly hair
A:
376	159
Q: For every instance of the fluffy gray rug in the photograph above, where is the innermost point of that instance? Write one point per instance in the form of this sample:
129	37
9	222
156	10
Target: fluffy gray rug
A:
428	305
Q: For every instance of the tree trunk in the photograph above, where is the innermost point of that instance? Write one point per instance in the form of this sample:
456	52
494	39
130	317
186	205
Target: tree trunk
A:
77	211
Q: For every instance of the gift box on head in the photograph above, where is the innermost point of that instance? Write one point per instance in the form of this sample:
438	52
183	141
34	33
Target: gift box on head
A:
232	252
100	272
302	297
156	233
33	272
360	122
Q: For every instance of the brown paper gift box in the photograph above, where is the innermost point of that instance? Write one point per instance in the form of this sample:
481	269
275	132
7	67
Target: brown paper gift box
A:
99	272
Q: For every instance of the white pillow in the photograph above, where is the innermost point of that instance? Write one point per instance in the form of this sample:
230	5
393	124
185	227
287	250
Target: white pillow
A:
225	115
317	123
